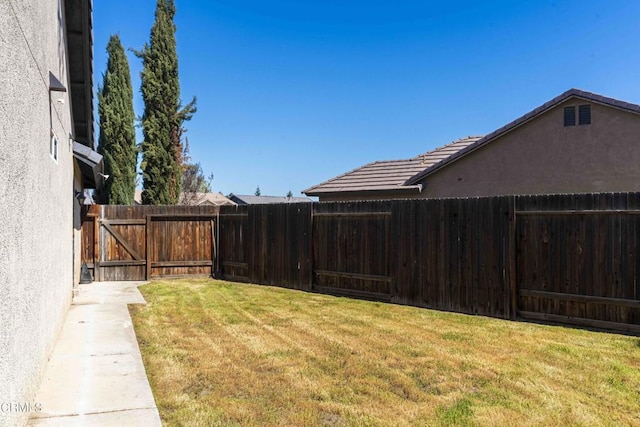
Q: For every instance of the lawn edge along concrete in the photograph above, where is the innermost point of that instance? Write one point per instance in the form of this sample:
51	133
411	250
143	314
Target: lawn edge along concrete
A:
95	375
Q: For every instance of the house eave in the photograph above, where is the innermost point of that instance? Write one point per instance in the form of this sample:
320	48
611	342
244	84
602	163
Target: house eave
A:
79	37
90	164
366	192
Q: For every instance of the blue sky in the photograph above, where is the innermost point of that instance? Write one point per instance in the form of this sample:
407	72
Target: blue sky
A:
292	93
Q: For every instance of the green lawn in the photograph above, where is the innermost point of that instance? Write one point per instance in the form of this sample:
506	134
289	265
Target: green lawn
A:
220	353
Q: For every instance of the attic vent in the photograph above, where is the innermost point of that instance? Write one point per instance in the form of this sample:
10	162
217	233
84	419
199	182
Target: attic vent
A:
584	114
570	116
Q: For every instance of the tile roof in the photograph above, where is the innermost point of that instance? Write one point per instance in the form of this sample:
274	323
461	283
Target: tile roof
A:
571	93
389	174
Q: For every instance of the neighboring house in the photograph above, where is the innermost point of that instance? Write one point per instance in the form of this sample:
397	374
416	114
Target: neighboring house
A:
205	199
385	179
578	142
264	200
46	140
195	199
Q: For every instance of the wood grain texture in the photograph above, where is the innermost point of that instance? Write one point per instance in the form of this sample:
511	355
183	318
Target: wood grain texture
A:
571	258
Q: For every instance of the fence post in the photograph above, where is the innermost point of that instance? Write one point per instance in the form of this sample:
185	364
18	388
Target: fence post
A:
147	232
311	247
513	286
97	245
214	249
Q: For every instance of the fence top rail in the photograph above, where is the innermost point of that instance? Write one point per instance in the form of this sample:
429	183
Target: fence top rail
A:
351	214
179	216
580	298
123	221
581	212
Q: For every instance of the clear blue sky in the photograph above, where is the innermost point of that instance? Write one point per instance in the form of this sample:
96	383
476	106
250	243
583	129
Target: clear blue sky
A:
292	93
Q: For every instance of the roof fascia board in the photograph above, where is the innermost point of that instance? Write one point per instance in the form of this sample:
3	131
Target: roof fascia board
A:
404	189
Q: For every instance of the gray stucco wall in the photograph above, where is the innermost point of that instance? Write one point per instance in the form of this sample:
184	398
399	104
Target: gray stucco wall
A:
36	198
543	156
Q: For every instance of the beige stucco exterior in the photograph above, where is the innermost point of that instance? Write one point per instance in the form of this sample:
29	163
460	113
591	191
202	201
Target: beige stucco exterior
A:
543	156
37	206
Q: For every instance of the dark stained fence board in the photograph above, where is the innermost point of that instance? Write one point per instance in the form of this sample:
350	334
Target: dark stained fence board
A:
279	253
354	276
451	254
571	258
233	246
577	258
355	294
591	323
352	248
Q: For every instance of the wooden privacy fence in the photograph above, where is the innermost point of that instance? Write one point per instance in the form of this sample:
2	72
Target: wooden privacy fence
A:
444	254
577	259
563	258
267	244
143	242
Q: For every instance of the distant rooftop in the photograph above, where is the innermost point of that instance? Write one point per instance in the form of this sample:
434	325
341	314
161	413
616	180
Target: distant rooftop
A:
198	199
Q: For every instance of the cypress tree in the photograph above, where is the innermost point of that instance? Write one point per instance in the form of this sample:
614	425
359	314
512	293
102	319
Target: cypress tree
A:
117	139
163	117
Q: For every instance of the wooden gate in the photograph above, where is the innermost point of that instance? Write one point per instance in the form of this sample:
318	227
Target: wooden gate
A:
579	267
144	242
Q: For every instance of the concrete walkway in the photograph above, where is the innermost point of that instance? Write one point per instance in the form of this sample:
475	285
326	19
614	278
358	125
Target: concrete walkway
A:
95	375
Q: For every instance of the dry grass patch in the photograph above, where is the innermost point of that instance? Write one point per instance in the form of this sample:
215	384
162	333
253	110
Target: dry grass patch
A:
220	353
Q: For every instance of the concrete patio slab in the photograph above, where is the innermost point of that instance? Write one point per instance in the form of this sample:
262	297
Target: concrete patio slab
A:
95	374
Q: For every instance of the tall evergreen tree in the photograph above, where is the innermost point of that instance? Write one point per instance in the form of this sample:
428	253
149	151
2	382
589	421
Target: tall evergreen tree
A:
117	139
163	118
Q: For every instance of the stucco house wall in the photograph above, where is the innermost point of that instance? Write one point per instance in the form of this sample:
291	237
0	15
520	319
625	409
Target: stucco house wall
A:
36	197
543	156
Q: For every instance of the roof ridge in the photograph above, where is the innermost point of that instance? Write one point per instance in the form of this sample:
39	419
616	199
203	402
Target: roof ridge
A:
466	138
